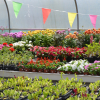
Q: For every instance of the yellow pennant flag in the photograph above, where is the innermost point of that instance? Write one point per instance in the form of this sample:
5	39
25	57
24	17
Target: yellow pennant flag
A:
71	17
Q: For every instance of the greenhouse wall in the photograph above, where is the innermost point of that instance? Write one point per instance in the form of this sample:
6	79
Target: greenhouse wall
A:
30	15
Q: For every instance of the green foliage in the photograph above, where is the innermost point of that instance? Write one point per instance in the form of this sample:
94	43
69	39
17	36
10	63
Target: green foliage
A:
70	42
6	39
58	39
93	49
39	39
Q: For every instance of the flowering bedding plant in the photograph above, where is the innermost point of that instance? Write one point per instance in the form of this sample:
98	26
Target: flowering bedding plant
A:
93	68
43	64
59	51
19	45
75	66
44	32
5	45
14	35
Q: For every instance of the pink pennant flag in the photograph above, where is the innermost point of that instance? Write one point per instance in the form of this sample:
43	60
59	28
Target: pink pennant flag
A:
45	13
93	20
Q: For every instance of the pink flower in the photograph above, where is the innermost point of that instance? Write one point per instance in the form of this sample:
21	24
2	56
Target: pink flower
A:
96	67
86	67
69	30
96	61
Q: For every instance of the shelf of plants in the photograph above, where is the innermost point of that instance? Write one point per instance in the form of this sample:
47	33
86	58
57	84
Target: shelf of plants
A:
24	88
56	52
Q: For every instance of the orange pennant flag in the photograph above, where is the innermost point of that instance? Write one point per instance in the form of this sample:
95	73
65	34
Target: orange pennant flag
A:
45	13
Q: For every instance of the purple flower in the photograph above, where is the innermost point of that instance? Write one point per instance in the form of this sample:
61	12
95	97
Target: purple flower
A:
63	31
14	35
60	32
92	69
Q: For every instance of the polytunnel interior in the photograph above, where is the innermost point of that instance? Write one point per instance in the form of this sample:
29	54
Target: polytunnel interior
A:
30	15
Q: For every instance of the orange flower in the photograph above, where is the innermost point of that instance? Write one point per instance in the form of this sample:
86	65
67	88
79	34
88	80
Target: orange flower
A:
58	60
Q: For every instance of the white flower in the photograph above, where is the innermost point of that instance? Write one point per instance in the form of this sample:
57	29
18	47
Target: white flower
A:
28	45
30	41
22	42
21	45
74	67
58	68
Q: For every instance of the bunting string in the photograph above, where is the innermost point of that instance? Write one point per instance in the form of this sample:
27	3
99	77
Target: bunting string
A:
52	9
46	11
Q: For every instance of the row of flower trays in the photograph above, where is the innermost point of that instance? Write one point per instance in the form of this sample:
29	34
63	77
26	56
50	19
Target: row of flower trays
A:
54	66
22	88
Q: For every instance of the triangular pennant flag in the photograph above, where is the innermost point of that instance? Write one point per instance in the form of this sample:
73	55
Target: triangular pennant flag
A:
16	7
71	17
45	13
93	20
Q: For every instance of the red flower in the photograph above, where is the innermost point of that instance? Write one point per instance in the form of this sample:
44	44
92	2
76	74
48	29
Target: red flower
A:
12	49
10	45
84	95
5	43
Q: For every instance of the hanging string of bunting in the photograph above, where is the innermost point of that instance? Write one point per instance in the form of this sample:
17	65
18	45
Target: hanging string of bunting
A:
46	12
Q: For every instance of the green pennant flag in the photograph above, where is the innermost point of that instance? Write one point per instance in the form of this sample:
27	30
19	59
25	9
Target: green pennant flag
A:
16	7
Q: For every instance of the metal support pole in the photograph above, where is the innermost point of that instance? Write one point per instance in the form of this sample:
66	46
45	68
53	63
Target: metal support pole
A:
77	15
8	14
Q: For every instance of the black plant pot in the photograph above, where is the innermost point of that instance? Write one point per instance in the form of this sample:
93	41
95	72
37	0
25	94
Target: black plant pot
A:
61	59
16	69
1	67
7	67
64	97
75	58
69	59
90	60
12	67
95	58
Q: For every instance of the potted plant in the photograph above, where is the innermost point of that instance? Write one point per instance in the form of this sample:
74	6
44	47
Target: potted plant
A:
27	67
34	68
61	69
92	51
21	66
69	70
53	68
40	68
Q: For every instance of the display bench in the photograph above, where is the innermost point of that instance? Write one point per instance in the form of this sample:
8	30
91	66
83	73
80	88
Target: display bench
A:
52	76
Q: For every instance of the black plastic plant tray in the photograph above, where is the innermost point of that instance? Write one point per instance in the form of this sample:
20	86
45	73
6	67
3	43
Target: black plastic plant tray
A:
60	98
64	97
98	98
